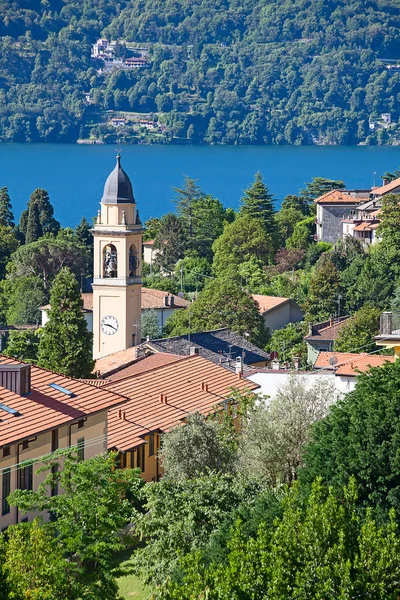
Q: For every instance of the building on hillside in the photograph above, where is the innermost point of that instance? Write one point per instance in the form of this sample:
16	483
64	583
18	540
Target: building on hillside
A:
221	346
278	312
339	368
321	337
164	305
41	412
161	395
332	208
149	253
393	187
118	121
363	223
389	332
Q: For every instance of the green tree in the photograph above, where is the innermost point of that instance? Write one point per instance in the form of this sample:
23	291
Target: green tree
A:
8	245
22	345
195	272
389	227
150	327
65	344
169	242
241	240
324	290
222	303
33	227
46	211
200	446
152	226
357	334
303	233
289	341
6	214
185	200
319	186
276	430
258	204
209	217
286	220
360	437
97	502
25	295
83	234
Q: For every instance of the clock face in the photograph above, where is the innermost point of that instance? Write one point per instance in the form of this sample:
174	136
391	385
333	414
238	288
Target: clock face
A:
109	325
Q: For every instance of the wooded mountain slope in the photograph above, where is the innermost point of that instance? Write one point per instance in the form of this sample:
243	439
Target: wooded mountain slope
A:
220	71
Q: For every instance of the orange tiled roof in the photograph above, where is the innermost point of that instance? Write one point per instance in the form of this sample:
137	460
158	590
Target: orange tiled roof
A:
155	299
267	303
385	189
183	385
363	227
330	332
336	196
160	359
351	364
46	408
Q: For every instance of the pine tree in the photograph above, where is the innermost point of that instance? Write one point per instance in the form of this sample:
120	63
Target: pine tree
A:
185	201
65	344
46	211
82	232
258	203
6	214
33	228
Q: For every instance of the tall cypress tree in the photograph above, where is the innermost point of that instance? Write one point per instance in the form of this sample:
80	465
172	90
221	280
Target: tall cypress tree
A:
46	211
33	227
258	203
66	345
6	214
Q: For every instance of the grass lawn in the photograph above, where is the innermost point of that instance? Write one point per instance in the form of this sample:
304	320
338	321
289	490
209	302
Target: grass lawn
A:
130	586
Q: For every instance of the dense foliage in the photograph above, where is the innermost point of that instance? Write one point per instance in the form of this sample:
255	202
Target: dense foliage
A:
261	72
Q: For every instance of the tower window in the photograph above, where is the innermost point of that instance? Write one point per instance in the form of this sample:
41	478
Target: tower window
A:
110	261
133	261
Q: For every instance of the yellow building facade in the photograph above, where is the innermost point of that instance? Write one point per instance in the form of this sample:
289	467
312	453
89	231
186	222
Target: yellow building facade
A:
117	268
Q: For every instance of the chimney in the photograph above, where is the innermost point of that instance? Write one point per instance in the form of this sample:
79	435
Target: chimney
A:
386	323
206	387
16	378
194	350
275	365
162	398
166	300
123	416
171	300
296	362
165	400
120	414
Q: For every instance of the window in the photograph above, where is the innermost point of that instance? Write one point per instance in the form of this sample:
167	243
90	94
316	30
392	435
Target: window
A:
133	261
6	489
81	424
54	440
25	445
122	461
25	477
132	459
24	520
151	444
81	449
140	458
6	451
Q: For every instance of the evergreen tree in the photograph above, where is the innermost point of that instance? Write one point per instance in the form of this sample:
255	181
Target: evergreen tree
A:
6	214
170	242
82	232
318	187
33	228
324	290
257	203
185	200
150	326
22	345
46	211
65	344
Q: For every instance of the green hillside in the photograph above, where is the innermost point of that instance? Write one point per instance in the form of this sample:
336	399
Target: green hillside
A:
224	71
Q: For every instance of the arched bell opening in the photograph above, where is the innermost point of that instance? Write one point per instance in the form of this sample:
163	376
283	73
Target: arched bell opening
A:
110	261
133	261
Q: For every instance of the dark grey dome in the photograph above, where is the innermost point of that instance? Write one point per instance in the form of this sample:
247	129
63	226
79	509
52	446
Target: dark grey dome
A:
118	187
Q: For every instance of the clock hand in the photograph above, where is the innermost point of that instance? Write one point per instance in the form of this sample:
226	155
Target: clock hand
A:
108	325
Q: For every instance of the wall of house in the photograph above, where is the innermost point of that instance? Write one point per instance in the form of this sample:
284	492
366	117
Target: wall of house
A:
270	382
314	348
133	459
330	216
93	432
88	318
282	315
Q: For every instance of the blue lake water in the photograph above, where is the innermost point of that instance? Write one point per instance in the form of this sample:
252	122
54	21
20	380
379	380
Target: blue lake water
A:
74	175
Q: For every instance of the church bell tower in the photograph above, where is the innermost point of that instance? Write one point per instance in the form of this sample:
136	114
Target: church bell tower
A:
117	281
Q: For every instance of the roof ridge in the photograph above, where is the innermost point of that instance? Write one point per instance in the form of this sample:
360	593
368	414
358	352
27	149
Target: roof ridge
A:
178	359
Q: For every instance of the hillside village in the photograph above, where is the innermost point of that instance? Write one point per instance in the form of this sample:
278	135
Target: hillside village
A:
222	390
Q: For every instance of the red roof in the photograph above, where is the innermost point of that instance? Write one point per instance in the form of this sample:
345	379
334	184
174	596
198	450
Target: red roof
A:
183	386
156	299
389	187
46	408
267	303
350	364
336	197
160	359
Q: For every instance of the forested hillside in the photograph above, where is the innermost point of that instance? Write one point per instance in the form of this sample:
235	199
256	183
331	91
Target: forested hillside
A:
225	71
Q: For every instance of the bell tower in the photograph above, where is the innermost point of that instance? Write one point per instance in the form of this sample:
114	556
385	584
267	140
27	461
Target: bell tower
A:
117	283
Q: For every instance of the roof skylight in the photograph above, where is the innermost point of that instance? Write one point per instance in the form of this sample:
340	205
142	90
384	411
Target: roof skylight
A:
61	389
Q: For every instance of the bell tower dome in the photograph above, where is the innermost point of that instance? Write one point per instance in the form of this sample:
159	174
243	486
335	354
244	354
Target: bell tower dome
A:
117	281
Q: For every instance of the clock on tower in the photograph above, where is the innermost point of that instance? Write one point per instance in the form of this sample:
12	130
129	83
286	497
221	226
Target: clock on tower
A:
117	281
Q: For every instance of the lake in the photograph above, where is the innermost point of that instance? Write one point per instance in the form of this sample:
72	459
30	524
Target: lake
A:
74	175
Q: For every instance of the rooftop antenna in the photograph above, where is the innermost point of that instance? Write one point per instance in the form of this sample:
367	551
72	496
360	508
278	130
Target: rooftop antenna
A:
374	178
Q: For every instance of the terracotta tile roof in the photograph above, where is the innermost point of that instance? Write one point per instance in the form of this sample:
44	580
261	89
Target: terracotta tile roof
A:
350	364
46	408
149	243
156	299
326	331
115	361
363	227
336	197
216	346
183	385
267	303
385	189
148	363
